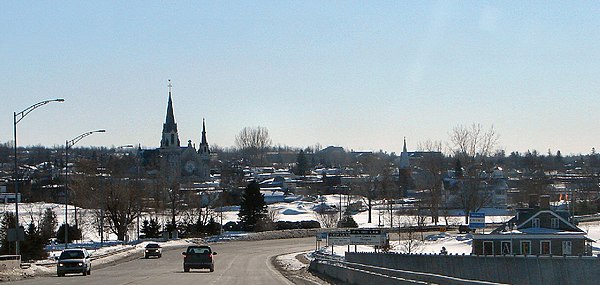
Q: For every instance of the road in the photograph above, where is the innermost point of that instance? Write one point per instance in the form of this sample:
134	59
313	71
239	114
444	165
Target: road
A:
239	262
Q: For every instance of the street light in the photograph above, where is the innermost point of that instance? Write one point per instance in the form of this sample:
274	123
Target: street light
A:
68	145
17	117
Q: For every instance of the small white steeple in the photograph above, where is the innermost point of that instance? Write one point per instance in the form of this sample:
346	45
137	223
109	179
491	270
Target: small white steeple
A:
404	161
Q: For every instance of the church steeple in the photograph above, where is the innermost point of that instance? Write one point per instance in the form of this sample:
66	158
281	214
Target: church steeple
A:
204	132
170	137
404	160
203	149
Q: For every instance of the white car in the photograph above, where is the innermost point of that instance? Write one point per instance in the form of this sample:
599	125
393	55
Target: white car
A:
74	260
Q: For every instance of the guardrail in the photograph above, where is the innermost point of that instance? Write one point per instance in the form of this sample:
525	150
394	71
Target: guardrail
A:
355	273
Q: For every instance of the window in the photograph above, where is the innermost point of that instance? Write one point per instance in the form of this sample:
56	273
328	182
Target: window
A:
545	248
506	247
554	223
488	248
525	247
567	247
535	223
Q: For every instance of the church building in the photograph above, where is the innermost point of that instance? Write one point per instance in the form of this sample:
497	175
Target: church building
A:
179	164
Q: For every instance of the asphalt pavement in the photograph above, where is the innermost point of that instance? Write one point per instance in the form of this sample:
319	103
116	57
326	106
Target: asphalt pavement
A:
237	262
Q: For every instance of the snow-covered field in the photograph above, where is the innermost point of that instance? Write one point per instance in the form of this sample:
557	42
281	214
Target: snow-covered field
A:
431	243
304	211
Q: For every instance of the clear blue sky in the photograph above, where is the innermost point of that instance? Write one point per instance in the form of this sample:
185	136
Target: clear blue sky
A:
362	75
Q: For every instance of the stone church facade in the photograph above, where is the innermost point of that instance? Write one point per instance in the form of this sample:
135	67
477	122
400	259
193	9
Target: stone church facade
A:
179	164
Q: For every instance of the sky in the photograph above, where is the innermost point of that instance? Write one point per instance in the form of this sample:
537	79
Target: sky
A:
357	74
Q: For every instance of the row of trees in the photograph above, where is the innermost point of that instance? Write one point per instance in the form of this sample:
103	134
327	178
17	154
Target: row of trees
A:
37	234
117	192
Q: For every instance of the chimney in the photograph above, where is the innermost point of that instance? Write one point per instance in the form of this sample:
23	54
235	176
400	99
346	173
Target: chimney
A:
545	202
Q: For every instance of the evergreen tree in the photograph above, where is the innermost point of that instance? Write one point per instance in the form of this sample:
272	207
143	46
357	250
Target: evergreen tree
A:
8	221
347	222
48	225
74	234
32	248
151	229
559	161
252	208
301	163
458	170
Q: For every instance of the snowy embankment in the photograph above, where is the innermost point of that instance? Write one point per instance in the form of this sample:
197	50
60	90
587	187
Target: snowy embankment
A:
294	211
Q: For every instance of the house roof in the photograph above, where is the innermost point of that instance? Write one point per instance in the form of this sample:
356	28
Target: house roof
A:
532	236
522	224
525	216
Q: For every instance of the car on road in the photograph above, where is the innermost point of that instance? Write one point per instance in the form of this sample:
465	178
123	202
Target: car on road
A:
74	260
153	249
198	257
465	229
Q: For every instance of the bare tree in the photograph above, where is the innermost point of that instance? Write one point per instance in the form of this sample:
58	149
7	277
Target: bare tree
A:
327	219
105	189
469	142
472	197
381	182
273	215
472	145
433	167
253	141
430	145
123	205
409	240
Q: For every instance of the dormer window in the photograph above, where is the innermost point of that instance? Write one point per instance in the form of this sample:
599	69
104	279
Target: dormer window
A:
535	223
554	223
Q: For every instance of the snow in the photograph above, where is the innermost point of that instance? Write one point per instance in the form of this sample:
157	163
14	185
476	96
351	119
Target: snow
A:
296	211
292	212
290	262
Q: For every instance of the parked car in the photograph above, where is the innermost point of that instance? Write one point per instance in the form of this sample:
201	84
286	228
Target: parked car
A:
75	260
464	229
153	249
198	257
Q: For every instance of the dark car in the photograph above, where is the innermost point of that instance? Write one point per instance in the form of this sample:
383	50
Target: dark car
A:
198	257
153	249
76	260
464	229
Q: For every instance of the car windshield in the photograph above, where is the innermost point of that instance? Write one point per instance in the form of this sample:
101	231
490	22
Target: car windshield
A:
71	254
152	245
199	250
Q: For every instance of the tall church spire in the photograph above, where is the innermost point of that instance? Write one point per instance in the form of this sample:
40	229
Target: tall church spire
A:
203	149
170	137
404	160
204	133
170	124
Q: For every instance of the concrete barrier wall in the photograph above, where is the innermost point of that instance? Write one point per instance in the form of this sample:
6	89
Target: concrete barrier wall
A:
10	262
527	270
353	276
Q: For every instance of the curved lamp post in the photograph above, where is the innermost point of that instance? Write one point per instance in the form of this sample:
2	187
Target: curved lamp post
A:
68	145
17	117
